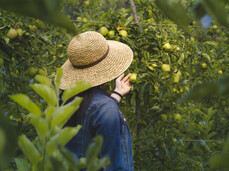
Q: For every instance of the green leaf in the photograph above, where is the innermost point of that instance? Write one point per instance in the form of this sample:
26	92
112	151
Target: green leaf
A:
58	76
27	103
46	93
22	164
43	80
176	12
45	10
62	138
2	143
217	10
209	89
29	149
75	89
63	113
93	150
41	125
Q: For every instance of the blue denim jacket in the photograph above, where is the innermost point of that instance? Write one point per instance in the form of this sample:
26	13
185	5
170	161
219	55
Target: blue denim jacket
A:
103	117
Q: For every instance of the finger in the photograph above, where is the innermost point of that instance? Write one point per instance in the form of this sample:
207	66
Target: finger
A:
126	77
120	77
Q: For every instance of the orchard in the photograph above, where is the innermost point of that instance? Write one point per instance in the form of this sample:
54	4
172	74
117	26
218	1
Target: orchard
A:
177	109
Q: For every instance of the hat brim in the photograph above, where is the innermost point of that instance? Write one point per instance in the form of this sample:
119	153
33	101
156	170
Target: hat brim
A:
116	62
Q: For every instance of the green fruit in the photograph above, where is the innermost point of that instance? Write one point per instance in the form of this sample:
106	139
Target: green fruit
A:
1	62
86	3
12	33
204	65
33	28
164	117
123	33
32	71
156	89
133	77
177	117
111	33
176	77
84	20
167	46
165	67
20	32
103	31
220	72
79	19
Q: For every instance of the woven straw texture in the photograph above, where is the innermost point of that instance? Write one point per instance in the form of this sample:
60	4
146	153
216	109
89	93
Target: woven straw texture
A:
89	47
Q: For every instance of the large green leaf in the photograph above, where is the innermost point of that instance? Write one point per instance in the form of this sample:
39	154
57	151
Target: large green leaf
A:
58	76
41	125
209	89
22	164
75	89
46	10
176	12
217	10
46	93
27	103
61	115
43	80
29	149
62	138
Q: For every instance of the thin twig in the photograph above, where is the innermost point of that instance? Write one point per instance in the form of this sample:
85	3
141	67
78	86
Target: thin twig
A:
134	11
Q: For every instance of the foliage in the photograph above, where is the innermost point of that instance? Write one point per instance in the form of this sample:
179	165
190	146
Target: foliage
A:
166	135
47	152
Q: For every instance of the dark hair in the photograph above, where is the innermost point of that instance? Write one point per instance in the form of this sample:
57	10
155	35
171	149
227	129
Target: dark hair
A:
78	115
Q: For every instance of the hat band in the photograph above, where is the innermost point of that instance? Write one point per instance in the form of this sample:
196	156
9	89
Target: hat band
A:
94	63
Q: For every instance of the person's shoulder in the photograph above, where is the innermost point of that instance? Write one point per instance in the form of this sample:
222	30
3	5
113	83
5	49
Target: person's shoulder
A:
100	99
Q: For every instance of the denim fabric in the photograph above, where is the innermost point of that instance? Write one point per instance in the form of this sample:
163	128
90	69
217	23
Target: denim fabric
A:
103	117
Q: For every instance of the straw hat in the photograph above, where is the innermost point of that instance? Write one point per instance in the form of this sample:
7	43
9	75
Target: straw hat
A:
94	59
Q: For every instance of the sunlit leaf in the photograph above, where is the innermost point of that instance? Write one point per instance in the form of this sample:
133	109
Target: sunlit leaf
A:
27	103
61	116
58	76
43	80
75	89
46	93
22	164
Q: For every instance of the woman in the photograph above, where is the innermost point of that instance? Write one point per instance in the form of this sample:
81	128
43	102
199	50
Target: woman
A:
96	60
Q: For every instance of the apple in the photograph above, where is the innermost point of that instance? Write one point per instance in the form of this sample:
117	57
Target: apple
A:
12	33
167	46
86	3
123	33
133	77
79	19
165	67
111	33
176	77
177	117
33	28
103	31
156	89
204	65
164	117
220	72
20	32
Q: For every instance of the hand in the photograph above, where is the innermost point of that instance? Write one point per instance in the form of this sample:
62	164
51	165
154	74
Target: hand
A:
122	84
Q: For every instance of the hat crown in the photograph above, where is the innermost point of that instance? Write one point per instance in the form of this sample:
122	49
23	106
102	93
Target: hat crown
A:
87	48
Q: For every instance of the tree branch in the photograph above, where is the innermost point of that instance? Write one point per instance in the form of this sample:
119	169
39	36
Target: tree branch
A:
134	11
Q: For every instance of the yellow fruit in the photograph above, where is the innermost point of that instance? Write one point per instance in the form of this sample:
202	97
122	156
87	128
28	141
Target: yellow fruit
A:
111	33
84	20
220	72
123	33
20	32
12	33
103	31
165	67
176	77
79	19
204	65
164	117
156	89
214	27
86	3
177	117
1	62
133	77
167	46
33	28
194	23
